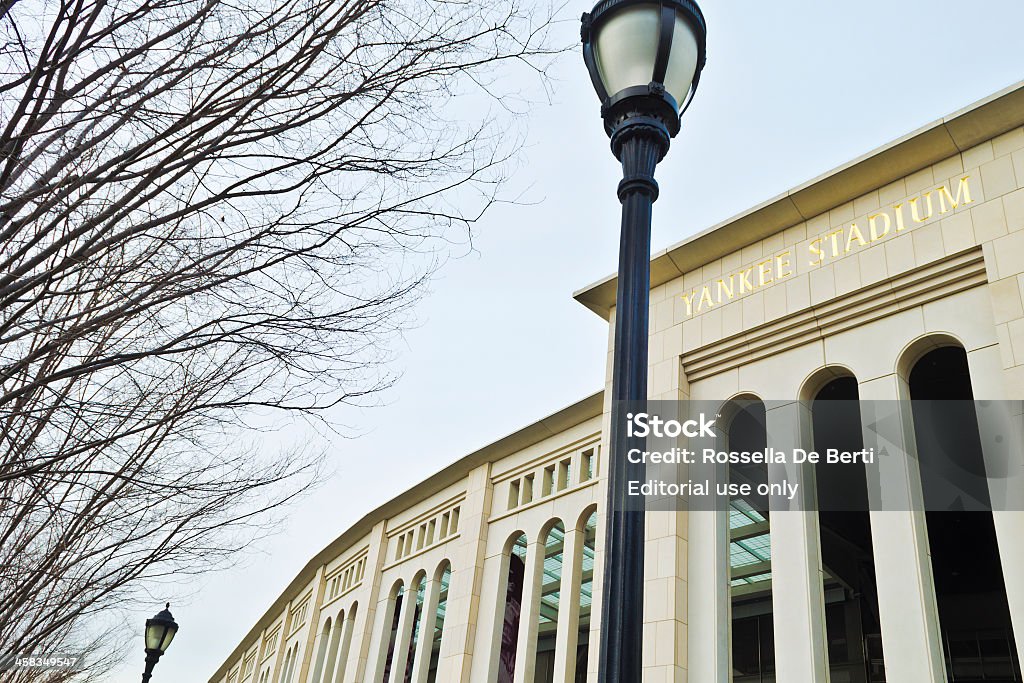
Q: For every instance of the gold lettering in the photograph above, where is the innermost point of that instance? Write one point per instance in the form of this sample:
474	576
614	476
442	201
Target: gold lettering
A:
875	235
783	268
728	291
815	248
689	302
835	242
898	208
963	192
854	234
913	207
705	295
780	266
745	284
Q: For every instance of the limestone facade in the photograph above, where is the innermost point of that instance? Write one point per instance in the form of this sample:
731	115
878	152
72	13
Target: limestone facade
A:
859	273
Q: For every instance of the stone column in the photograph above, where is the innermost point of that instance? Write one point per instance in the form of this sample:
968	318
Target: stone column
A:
909	616
798	600
597	585
489	632
999	424
467	580
363	637
379	640
665	655
313	624
567	629
526	644
428	618
665	596
339	665
406	623
282	642
709	636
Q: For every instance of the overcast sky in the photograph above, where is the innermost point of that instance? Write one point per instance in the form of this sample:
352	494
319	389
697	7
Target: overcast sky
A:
791	90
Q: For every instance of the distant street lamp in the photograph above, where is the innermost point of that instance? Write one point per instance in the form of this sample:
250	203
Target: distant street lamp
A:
160	632
645	60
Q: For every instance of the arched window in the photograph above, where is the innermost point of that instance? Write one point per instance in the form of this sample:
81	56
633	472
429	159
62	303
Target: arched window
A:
974	613
420	586
514	580
442	608
753	639
332	649
321	650
392	617
550	597
288	670
295	664
852	622
346	641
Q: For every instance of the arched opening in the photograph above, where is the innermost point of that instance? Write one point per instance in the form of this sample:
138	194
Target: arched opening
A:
321	651
420	587
391	619
974	615
514	581
550	596
753	641
332	649
288	670
346	640
852	619
445	578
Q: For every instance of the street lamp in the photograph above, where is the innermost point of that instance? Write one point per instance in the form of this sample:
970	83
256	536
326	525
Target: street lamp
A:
160	632
645	60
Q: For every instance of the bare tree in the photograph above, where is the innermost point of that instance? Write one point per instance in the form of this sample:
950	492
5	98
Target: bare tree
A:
207	209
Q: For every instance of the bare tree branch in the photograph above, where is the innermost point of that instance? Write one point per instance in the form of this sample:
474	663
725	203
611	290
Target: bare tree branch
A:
211	209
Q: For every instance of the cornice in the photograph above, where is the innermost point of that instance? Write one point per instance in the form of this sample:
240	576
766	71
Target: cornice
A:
988	118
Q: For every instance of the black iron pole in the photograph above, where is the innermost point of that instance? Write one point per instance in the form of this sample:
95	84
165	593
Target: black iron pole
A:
152	657
639	142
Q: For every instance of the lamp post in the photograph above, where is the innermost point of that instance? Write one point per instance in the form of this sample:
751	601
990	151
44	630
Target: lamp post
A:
160	632
645	60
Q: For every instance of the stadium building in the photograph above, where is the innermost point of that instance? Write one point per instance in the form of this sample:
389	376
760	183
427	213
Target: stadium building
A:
898	275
